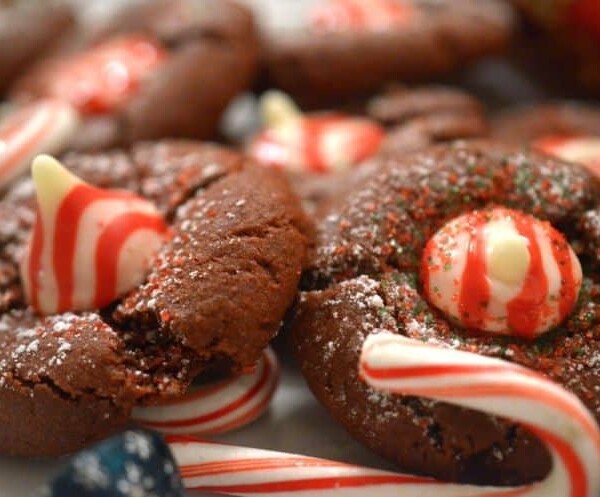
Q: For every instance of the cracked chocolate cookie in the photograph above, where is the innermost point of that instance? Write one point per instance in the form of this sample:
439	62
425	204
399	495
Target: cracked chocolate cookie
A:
161	69
475	246
212	297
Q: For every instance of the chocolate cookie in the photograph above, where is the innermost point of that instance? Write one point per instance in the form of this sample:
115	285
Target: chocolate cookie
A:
421	116
27	32
214	296
368	274
526	124
327	51
180	63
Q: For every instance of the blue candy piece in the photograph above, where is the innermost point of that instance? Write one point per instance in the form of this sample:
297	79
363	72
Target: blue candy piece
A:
134	464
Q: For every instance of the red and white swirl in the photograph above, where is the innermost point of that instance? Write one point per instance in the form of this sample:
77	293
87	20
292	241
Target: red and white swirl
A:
217	407
583	150
501	271
395	364
344	15
323	143
45	126
88	245
101	79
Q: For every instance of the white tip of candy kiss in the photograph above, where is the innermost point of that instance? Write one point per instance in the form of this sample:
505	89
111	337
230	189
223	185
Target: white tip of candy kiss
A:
277	108
52	182
89	246
507	256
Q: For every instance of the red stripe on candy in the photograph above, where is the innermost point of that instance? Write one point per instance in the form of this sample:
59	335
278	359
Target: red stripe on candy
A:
109	246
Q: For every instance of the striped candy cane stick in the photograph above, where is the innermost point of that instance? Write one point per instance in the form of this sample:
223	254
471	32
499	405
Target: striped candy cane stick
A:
395	364
43	126
217	407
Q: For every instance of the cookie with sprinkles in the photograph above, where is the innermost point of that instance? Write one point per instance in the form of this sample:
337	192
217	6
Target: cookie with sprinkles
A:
144	75
143	270
474	246
328	50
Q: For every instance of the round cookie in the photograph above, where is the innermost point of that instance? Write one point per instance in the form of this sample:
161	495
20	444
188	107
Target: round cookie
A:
214	296
526	124
30	31
422	116
180	63
364	278
363	44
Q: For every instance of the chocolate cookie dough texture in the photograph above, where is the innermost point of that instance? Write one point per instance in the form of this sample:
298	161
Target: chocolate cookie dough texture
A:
213	297
319	51
366	277
181	62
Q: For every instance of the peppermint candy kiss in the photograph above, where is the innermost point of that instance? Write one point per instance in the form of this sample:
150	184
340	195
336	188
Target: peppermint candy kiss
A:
102	79
319	143
501	271
43	126
583	150
88	246
395	364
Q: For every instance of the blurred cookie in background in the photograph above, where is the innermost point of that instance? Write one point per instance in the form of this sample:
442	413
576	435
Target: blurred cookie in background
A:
28	31
167	68
560	46
323	51
566	130
321	151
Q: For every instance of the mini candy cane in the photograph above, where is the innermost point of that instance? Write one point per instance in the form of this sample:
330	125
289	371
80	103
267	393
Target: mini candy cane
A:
216	408
396	364
43	126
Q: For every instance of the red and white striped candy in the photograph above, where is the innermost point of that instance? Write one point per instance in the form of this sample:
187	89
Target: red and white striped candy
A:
45	126
583	150
103	78
501	271
319	143
88	245
343	15
218	407
393	363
